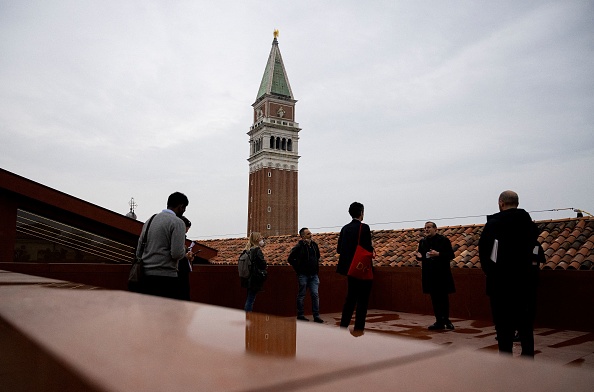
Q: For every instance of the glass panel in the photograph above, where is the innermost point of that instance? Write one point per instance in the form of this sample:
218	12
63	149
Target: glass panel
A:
45	240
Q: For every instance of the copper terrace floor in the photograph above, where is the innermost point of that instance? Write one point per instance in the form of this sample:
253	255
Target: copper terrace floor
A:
571	348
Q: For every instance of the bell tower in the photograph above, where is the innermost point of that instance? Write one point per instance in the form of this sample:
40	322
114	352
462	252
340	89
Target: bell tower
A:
274	135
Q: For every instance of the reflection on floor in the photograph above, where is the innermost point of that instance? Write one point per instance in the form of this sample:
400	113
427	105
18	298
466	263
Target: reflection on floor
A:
571	348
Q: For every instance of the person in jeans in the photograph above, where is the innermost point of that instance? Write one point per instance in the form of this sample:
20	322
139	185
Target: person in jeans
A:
253	284
305	259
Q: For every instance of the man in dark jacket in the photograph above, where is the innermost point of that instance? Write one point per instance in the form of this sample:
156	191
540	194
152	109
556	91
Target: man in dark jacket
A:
508	248
184	267
435	252
305	258
352	234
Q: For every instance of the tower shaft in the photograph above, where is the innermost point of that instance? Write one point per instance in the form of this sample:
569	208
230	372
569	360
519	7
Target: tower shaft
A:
273	159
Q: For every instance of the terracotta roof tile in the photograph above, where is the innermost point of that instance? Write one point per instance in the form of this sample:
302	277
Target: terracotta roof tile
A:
555	259
561	265
574	265
554	245
568	244
567	259
579	258
584	251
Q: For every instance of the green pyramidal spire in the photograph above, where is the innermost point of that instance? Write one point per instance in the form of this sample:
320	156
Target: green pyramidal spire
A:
275	81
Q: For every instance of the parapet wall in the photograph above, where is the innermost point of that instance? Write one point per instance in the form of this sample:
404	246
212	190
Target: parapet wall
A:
565	298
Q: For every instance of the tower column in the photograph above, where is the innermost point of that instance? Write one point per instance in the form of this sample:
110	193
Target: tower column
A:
273	160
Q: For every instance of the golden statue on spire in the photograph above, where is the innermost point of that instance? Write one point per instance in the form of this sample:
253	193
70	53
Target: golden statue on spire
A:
275	33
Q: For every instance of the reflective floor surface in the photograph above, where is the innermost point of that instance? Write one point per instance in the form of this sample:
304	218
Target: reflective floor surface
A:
56	337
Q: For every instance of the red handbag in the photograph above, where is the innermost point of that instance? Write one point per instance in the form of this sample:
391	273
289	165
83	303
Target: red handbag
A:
362	260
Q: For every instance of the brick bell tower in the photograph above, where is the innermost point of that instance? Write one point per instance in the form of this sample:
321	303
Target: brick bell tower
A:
274	135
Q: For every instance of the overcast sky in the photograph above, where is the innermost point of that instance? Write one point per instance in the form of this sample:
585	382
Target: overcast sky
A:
418	109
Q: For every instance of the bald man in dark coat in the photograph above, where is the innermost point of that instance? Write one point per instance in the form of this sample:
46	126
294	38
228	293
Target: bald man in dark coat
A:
509	250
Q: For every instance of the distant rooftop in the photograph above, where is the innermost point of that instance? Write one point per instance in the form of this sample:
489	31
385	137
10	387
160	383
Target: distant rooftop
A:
568	244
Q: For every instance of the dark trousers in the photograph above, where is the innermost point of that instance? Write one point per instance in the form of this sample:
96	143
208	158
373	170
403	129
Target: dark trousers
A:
161	286
511	315
184	285
441	306
357	296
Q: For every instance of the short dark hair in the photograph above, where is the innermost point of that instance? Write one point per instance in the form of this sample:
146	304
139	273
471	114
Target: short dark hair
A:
302	230
177	198
509	198
355	209
186	221
432	224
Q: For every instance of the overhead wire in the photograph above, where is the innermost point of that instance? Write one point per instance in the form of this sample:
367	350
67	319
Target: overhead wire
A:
241	235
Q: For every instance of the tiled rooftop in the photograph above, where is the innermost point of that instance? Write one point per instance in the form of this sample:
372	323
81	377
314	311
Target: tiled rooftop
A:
568	244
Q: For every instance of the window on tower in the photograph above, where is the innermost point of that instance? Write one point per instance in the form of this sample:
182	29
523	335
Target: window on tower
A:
271	141
284	144
289	145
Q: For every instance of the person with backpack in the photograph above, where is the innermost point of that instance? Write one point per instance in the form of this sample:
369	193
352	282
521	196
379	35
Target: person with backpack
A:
252	253
305	260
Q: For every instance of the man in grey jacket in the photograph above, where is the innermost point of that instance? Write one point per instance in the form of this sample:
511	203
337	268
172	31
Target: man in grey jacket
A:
164	247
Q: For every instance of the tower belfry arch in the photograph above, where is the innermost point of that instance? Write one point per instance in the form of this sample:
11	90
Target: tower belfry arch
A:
273	158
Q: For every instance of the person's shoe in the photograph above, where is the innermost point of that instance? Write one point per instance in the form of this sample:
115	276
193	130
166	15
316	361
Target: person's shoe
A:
435	326
357	332
302	318
449	325
318	320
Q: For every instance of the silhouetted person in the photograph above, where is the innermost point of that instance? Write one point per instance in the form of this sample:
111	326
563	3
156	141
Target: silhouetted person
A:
184	267
507	253
435	252
358	289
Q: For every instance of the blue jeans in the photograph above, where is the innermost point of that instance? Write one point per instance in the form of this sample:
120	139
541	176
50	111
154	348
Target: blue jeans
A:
249	302
311	282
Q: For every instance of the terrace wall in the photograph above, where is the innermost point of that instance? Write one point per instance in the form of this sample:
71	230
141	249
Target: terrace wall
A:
565	298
